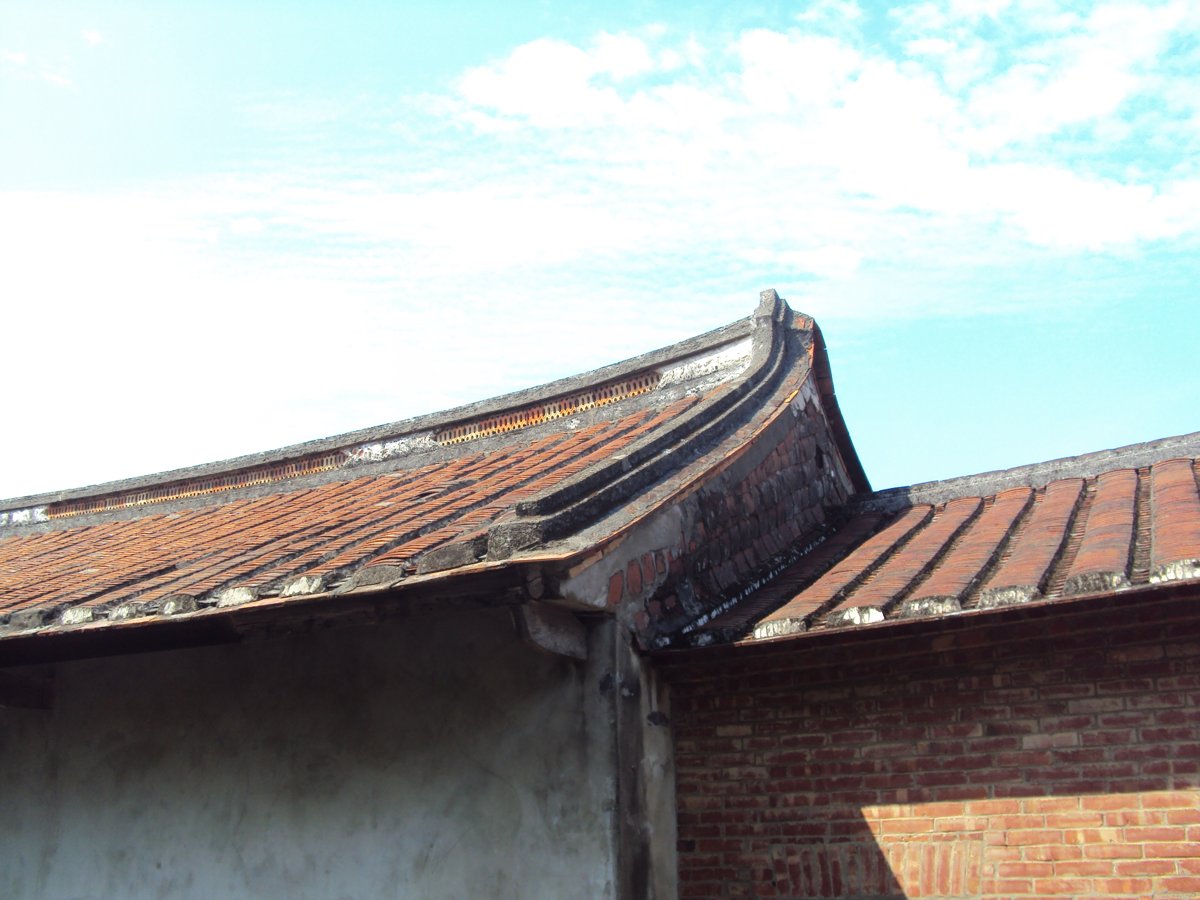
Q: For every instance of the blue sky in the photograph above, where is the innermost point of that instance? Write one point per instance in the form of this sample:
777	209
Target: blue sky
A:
230	227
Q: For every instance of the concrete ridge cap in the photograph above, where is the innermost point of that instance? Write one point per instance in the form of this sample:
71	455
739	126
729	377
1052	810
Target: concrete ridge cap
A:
766	343
1034	475
709	340
591	494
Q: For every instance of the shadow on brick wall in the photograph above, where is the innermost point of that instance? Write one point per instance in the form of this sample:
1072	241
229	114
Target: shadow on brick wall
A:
1041	757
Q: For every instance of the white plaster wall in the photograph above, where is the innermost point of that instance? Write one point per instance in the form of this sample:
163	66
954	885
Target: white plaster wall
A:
429	758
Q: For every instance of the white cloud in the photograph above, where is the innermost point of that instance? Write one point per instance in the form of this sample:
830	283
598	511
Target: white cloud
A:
93	38
1082	77
247	225
817	116
622	56
138	304
794	72
548	82
14	57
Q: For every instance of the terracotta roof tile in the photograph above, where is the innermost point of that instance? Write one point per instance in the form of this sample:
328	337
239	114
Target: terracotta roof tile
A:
947	586
1114	528
1034	547
549	470
1102	560
891	581
796	611
1175	538
832	587
316	534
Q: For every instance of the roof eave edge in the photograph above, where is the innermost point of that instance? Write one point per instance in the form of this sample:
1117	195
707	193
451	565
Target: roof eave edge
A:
898	629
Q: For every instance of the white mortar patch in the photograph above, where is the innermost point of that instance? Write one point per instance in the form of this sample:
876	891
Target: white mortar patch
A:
305	584
235	596
377	451
178	604
855	615
77	615
1183	570
31	515
779	628
714	367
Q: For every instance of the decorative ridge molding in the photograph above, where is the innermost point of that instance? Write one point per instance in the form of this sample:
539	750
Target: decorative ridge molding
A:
580	498
547	411
180	490
833	413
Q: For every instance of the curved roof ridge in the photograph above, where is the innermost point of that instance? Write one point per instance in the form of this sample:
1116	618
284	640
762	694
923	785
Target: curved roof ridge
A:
1033	475
309	457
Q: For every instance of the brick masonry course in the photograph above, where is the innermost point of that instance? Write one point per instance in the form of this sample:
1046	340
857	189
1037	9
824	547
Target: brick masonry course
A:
1054	756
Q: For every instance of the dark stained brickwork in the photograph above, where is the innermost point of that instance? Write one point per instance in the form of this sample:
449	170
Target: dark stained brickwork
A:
744	525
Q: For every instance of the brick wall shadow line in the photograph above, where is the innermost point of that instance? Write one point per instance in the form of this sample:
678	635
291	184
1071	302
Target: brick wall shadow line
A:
1057	757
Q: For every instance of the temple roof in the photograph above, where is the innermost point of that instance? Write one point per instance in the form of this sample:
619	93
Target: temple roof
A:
707	492
475	496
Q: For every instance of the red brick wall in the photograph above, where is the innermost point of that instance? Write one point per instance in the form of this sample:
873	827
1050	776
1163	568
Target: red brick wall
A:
1034	753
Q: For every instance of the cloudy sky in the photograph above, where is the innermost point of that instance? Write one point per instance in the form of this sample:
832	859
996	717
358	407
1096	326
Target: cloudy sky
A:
230	226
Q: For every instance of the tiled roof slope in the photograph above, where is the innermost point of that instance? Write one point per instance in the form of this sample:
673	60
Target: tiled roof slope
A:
1113	521
296	541
543	474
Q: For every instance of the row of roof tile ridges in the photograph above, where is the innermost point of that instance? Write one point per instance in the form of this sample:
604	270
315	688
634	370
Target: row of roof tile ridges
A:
290	542
897	557
324	454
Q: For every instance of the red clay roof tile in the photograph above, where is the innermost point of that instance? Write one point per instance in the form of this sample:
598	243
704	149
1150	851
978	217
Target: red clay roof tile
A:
1175	536
422	507
1035	546
947	585
1102	560
890	582
834	585
323	531
1076	536
803	604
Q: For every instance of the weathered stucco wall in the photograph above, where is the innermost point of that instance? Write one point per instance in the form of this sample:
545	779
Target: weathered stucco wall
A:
432	757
